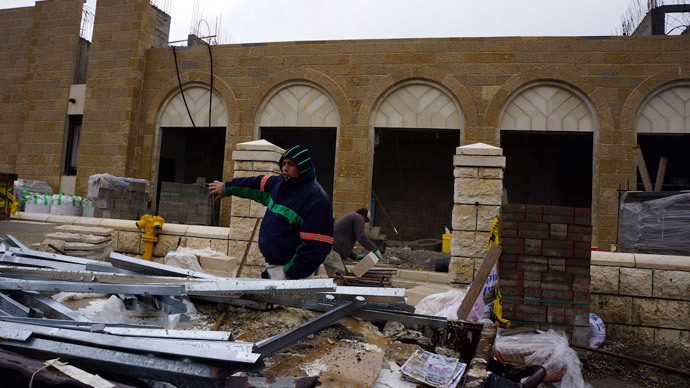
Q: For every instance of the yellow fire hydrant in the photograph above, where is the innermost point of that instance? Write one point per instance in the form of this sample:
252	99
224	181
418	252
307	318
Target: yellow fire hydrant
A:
152	225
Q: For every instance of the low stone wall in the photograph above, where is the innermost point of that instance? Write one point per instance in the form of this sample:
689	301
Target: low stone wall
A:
127	237
641	297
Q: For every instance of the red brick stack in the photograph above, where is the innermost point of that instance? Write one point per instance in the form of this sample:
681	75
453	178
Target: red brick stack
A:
544	268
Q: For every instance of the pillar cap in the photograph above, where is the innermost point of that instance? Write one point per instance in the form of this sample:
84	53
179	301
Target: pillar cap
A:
479	149
259	145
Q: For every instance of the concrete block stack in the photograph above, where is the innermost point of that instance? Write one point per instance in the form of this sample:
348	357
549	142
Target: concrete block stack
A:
544	270
128	202
478	191
186	203
251	158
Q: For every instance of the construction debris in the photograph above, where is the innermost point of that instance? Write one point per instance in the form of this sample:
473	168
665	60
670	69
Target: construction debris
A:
41	326
79	241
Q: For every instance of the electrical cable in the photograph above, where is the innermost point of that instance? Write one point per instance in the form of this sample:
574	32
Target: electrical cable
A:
210	94
179	83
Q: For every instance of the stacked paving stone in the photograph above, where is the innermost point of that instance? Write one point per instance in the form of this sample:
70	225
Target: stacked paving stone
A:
186	203
251	158
544	270
478	192
128	203
80	241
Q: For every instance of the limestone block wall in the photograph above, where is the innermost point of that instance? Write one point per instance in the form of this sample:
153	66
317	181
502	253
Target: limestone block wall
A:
642	297
16	30
50	66
251	159
544	268
109	140
477	196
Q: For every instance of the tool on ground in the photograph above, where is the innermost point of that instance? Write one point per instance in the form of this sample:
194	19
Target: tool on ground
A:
152	225
389	219
246	251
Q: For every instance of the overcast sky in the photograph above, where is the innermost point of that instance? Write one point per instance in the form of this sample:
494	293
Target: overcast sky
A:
251	21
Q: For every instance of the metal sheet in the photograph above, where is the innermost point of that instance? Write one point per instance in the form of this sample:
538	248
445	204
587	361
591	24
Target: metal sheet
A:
152	268
57	286
225	351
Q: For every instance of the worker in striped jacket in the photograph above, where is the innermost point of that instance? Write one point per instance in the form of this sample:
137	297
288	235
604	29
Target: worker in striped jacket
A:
297	229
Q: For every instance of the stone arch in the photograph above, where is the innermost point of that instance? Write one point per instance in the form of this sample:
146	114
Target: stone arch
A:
306	77
297	103
417	104
637	97
545	105
665	110
171	87
455	90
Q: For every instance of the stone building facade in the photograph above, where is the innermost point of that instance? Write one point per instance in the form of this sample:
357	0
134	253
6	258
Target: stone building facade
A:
605	90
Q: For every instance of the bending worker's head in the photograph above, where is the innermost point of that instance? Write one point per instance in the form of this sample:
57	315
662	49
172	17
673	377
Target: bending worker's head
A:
366	215
295	162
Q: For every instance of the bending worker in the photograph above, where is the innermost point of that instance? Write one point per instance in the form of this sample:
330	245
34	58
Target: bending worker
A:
347	230
297	229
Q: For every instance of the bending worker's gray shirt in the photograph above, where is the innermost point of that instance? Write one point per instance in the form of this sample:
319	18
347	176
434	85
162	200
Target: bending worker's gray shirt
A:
346	231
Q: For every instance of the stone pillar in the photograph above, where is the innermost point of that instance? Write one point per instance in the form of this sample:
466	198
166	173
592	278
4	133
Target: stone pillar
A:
477	197
251	159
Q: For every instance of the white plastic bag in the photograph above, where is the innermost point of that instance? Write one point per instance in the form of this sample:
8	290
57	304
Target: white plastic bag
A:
597	331
549	349
443	304
188	258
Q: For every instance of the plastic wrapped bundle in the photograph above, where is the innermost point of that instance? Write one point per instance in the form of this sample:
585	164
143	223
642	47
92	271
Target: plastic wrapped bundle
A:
655	223
68	205
38	203
25	189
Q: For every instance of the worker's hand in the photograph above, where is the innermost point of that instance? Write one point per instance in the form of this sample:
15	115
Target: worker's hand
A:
217	189
359	257
377	253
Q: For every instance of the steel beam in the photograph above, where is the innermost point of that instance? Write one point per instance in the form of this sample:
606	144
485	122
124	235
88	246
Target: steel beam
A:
271	345
58	286
16	309
88	276
177	372
368	294
89	326
225	351
51	308
241	286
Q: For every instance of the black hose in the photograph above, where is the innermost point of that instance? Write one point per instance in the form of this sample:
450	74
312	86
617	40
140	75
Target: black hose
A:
179	83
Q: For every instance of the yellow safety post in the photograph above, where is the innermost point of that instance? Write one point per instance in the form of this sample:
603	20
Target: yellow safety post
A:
152	225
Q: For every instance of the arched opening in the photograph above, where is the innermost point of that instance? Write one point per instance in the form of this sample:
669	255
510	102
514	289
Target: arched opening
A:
300	112
416	127
663	130
547	134
189	146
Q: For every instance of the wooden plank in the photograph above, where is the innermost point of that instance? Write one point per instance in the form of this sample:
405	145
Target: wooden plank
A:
639	160
479	280
661	173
